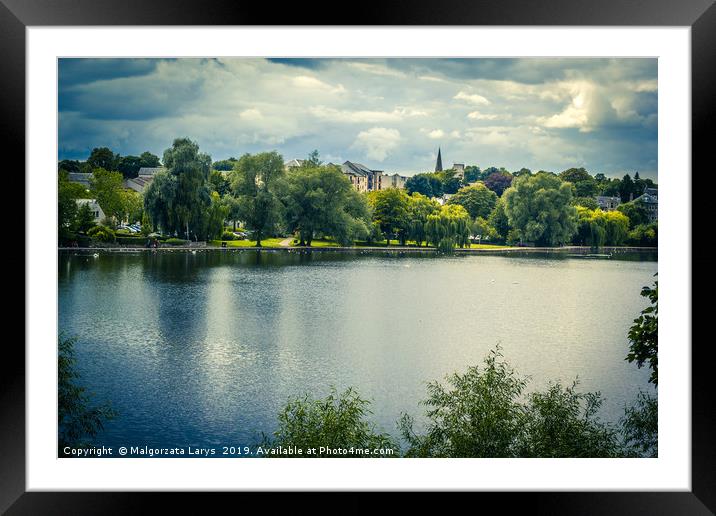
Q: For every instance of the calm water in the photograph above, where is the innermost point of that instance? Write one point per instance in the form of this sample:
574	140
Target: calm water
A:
204	349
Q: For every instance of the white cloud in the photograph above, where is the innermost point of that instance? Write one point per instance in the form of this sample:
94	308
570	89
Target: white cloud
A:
251	114
436	134
471	98
363	116
311	83
377	142
476	115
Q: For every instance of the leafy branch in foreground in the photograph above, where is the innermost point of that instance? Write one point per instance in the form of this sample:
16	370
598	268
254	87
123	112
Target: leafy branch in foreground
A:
336	421
77	419
644	335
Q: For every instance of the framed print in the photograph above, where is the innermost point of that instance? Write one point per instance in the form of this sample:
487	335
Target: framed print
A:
425	237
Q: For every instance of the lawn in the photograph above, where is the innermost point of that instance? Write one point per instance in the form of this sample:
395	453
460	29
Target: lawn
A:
267	242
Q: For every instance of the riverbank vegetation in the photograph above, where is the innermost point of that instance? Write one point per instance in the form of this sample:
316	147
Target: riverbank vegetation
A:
195	200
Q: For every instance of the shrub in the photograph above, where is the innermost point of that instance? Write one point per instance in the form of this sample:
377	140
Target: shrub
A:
228	235
482	413
131	240
78	417
101	233
175	241
337	421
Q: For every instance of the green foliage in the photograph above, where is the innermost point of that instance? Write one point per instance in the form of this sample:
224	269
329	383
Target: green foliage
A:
391	211
321	200
336	421
224	165
175	241
482	413
219	183
584	184
540	208
477	199
85	218
67	194
179	200
228	236
101	233
104	158
448	228
597	228
644	335
420	207
77	418
108	189
498	219
585	202
640	427
645	235
257	182
481	227
636	211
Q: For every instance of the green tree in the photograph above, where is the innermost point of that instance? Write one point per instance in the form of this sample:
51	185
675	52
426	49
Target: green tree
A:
219	183
217	213
391	211
540	208
483	413
257	182
627	188
481	227
108	189
477	199
428	184
322	200
420	208
640	426
449	227
129	166
644	335
337	421
103	157
636	211
85	218
149	160
67	195
585	202
78	419
498	219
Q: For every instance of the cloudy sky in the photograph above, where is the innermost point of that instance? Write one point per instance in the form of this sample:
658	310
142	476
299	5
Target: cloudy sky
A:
389	114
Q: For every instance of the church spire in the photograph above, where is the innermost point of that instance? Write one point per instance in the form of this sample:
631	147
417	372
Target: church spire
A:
439	163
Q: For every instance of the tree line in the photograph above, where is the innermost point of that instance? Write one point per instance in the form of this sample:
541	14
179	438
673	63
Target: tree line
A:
195	198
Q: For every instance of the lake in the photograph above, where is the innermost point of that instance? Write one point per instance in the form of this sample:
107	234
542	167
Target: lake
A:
204	349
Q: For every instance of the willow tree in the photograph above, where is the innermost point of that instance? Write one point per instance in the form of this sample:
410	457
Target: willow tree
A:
179	199
540	208
449	227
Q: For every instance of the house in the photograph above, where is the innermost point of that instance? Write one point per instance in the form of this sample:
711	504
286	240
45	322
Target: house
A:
607	203
459	169
82	178
144	177
294	163
650	199
443	199
99	215
394	181
363	178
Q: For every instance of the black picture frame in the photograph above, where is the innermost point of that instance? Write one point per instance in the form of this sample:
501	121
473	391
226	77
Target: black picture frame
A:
700	15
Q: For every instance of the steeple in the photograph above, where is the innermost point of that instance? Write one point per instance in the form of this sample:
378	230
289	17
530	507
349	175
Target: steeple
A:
439	163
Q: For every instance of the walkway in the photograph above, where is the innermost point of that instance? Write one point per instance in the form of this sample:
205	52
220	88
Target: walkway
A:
286	243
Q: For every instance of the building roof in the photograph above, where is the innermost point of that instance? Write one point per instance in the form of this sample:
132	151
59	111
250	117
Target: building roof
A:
439	162
150	171
295	163
79	177
356	169
648	198
606	198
